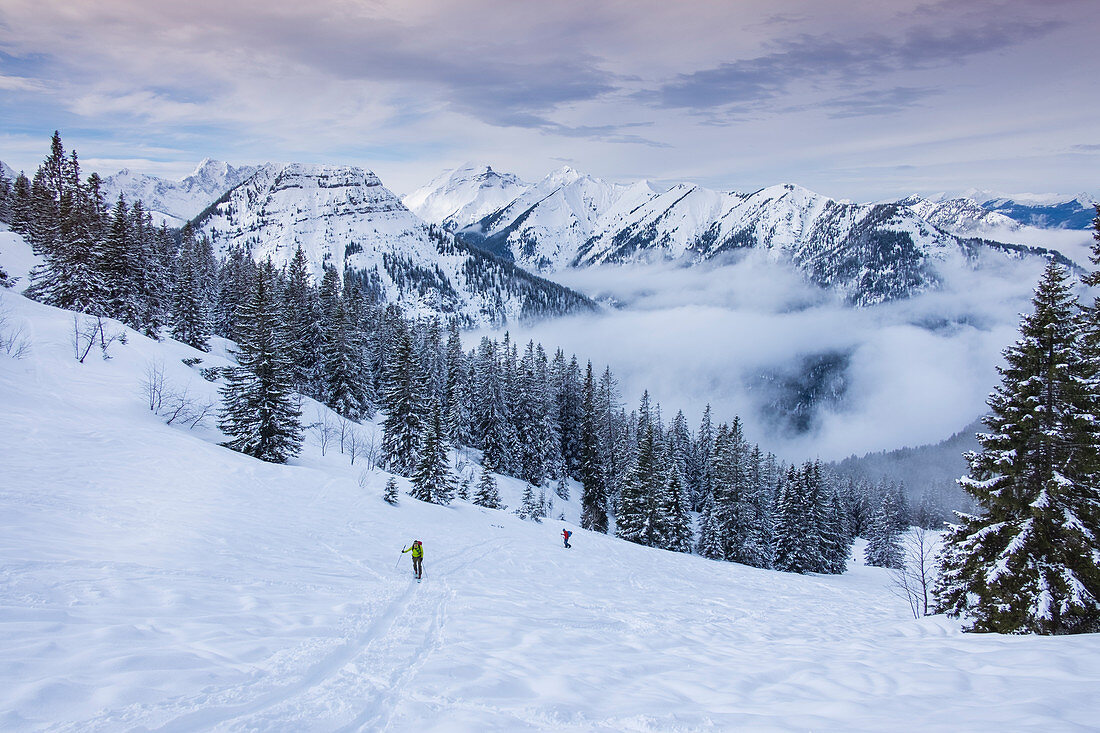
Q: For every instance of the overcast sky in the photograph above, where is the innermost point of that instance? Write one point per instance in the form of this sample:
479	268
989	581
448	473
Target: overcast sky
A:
859	99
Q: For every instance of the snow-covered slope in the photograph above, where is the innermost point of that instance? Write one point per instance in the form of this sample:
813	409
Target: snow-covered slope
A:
867	252
150	579
344	217
460	197
175	202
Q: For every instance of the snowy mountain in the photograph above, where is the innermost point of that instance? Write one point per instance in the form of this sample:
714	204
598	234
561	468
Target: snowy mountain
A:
460	197
152	579
1046	211
867	252
960	216
175	202
344	217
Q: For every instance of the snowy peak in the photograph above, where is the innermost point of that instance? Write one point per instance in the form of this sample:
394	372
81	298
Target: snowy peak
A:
462	196
343	217
175	202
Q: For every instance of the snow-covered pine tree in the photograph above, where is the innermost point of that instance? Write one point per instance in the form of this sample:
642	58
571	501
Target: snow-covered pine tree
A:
486	494
153	281
636	516
497	439
259	411
342	378
529	507
531	420
797	544
710	540
456	391
593	493
884	543
304	325
402	400
676	530
22	206
432	480
123	266
190	323
390	495
702	476
66	234
755	550
1028	562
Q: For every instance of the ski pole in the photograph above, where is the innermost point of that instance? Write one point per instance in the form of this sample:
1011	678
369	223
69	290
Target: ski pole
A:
399	558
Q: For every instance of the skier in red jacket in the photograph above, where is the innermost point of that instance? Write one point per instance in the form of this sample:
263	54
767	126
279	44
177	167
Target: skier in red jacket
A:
565	535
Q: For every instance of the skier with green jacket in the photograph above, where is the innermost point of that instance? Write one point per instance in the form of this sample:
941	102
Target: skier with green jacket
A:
417	551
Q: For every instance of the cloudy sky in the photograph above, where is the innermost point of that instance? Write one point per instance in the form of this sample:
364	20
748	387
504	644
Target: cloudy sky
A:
860	99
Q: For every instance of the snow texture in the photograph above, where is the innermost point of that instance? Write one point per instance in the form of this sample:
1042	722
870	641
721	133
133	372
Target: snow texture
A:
150	579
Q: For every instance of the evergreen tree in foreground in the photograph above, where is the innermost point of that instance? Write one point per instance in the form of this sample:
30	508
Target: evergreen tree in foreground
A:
1028	562
259	411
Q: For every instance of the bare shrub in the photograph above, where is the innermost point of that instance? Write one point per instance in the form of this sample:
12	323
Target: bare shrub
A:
174	405
91	332
152	385
322	429
13	337
914	579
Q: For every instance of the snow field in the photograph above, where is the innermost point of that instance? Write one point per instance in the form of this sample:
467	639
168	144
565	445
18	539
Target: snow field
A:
152	580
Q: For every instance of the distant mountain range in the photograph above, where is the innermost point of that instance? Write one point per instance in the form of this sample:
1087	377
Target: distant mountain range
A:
176	202
344	217
870	253
492	222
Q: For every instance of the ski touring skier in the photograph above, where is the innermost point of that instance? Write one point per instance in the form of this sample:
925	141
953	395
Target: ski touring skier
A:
565	535
417	551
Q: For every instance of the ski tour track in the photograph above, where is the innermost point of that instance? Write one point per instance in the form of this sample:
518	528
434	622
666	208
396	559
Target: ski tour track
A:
358	686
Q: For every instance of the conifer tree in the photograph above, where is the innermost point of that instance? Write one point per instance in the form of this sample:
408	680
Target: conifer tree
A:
710	540
344	388
636	517
122	268
190	323
593	493
884	543
676	525
259	412
1027	562
530	507
390	494
402	400
432	480
486	494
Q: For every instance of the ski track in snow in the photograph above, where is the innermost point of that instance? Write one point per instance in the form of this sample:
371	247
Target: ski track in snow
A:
153	581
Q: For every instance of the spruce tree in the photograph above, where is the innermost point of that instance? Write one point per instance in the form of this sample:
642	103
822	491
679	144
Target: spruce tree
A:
1027	562
884	543
403	424
260	412
486	494
190	323
593	493
390	494
432	480
635	518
